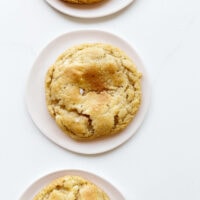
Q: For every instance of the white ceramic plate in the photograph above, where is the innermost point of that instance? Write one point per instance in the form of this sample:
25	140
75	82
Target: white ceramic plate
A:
112	192
101	9
35	93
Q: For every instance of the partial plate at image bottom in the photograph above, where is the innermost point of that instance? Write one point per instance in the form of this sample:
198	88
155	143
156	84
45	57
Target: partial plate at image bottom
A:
39	184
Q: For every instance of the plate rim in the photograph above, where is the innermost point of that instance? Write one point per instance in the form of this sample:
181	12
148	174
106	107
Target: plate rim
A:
90	176
65	34
98	15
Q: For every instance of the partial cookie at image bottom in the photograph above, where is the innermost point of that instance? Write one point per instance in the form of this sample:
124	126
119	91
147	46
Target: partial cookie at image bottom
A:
71	188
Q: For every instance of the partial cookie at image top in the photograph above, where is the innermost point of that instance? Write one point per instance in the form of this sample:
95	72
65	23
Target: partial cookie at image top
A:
82	1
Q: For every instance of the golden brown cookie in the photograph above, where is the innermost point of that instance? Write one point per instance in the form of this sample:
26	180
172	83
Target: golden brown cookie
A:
71	188
93	90
82	1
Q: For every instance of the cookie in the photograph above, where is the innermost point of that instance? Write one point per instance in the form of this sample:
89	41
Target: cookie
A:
71	188
93	90
82	1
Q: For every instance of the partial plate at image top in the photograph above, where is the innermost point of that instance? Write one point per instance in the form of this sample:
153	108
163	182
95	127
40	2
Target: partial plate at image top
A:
94	10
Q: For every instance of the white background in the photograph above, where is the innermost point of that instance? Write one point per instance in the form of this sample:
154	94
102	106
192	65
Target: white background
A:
162	161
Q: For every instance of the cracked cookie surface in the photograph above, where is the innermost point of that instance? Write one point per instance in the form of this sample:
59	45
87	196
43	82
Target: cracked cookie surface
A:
93	90
82	1
71	188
